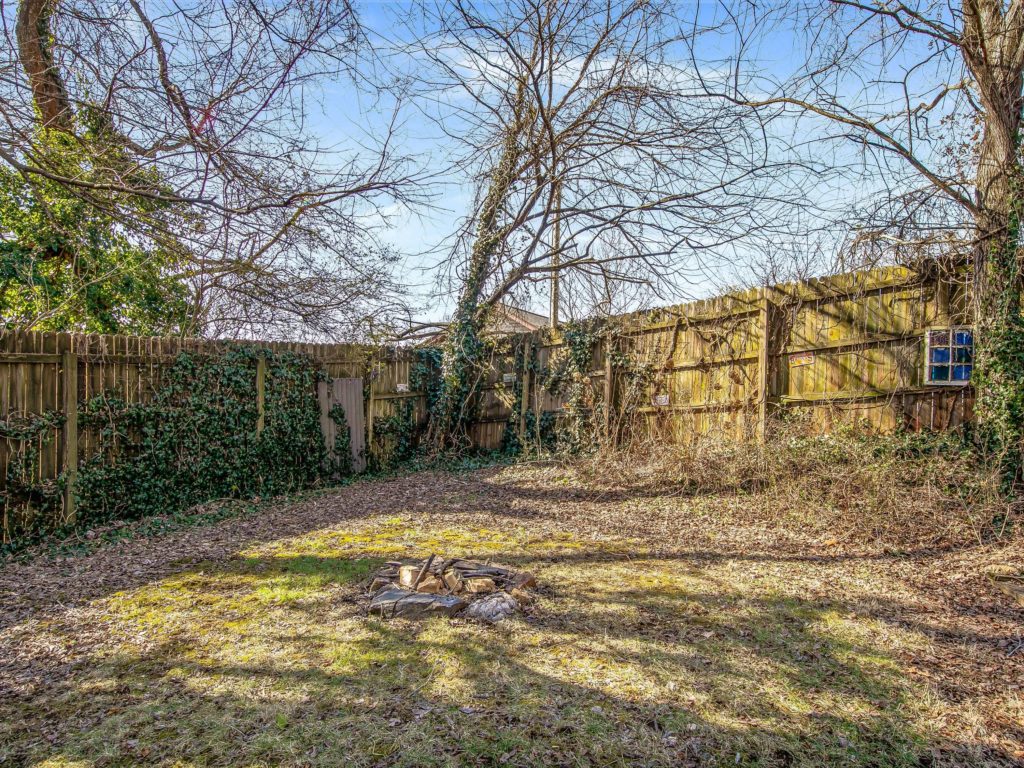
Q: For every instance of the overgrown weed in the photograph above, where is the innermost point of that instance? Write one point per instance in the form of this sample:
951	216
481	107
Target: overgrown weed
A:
899	491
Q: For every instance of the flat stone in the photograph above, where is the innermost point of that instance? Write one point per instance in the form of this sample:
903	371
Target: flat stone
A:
407	604
492	609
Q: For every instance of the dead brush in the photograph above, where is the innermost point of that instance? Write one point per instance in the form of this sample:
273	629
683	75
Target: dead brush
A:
895	492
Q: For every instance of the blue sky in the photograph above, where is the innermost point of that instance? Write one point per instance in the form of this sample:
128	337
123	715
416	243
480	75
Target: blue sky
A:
348	116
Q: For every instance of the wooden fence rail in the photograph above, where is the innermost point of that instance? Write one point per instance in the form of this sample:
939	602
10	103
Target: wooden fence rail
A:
849	347
845	348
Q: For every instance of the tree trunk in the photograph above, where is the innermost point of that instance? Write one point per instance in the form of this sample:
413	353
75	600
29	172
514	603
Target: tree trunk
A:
34	40
999	340
991	40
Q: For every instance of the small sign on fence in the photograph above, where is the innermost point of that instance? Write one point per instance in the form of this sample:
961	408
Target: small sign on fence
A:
508	378
801	358
660	400
401	387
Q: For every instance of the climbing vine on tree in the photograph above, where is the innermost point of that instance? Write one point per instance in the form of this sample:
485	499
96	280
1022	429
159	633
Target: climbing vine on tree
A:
998	375
463	349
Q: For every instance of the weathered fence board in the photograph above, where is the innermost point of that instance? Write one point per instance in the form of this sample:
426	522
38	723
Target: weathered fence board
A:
348	393
848	348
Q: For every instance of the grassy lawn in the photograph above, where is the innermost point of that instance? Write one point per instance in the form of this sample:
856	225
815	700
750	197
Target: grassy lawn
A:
669	630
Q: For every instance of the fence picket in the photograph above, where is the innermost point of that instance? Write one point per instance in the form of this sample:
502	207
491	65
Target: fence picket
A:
842	347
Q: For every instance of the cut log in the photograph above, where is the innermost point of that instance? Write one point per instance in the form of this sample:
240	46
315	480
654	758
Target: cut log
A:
423	571
412	578
453	581
479	585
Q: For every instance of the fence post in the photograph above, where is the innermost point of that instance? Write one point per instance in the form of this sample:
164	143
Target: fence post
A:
609	389
261	393
370	409
70	361
765	322
524	397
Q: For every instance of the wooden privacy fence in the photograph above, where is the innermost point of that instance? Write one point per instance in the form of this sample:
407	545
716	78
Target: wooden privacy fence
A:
844	348
850	347
55	373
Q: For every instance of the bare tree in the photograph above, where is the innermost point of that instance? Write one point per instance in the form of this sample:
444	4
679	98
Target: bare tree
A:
930	93
593	154
191	122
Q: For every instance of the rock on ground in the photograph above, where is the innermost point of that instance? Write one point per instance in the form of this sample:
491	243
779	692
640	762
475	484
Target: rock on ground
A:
404	603
492	609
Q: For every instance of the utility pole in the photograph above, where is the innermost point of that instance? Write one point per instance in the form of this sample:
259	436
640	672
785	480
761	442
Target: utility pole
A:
556	256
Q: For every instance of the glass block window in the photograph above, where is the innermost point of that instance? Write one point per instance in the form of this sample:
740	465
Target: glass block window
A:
949	356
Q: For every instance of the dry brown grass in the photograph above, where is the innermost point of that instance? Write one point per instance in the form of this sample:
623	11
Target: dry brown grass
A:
696	621
868	493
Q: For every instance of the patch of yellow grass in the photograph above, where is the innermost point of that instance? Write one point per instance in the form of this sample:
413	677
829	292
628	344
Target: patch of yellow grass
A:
630	660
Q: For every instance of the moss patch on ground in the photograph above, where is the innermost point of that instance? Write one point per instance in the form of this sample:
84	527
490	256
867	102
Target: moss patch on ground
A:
641	651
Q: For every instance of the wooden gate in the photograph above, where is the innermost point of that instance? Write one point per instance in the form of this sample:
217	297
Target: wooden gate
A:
348	393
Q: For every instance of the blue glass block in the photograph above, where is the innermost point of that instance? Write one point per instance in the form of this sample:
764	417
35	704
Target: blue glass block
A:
940	355
963	355
965	337
939	373
962	372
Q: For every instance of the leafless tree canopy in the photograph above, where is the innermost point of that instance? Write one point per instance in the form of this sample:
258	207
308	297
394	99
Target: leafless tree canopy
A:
208	105
911	96
931	93
615	166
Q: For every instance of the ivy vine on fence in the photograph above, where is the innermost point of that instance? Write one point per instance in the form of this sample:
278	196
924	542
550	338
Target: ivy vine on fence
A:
197	439
21	490
568	377
341	462
397	437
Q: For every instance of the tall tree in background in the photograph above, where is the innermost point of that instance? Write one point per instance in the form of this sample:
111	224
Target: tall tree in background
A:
581	118
931	94
66	264
157	172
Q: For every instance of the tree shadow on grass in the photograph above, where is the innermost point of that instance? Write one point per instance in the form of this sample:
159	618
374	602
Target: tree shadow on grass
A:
272	663
29	592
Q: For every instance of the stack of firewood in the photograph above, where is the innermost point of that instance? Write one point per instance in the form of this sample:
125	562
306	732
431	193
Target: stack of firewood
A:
453	576
449	586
